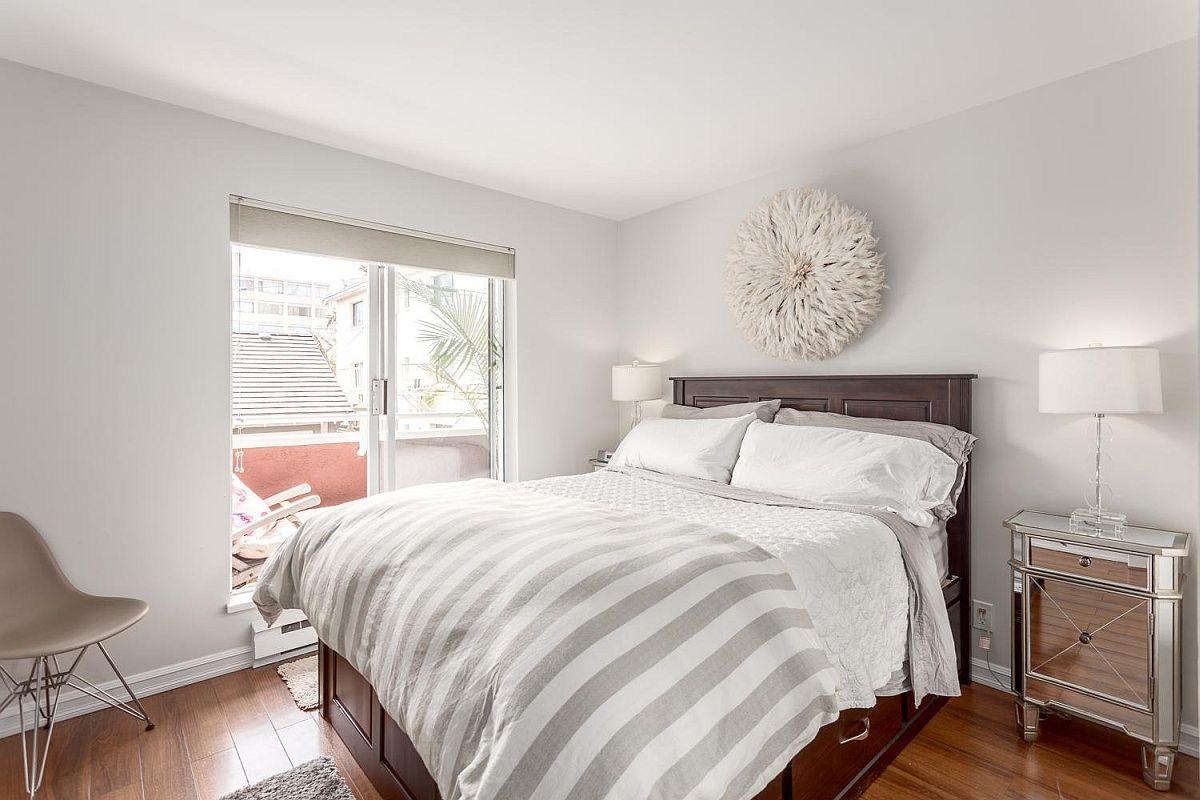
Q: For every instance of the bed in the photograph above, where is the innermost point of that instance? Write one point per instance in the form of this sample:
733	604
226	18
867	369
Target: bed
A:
852	742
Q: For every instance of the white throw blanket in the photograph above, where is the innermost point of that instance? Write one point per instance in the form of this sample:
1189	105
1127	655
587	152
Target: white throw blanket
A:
535	646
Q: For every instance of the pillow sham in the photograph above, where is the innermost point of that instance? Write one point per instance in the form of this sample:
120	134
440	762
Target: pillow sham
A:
950	440
695	448
764	410
857	468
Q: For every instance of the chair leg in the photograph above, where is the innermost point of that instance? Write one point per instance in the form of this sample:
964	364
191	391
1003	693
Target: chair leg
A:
46	711
34	751
144	716
41	691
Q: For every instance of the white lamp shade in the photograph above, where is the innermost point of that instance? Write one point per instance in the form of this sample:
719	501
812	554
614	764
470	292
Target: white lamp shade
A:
1100	380
637	382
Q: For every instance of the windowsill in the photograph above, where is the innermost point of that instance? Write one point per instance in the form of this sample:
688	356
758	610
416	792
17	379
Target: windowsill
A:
239	601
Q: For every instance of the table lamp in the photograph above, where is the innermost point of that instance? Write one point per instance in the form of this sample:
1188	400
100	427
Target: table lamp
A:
1099	381
636	382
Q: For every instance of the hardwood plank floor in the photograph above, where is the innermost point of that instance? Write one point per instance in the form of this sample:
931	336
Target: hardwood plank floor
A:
214	737
972	749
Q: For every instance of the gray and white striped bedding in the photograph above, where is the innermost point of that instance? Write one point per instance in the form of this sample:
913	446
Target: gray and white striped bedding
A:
535	646
863	575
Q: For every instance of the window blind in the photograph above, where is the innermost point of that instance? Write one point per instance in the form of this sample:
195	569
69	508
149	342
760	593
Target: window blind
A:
258	224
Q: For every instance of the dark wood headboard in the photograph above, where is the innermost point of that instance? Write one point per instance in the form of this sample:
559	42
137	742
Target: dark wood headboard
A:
945	399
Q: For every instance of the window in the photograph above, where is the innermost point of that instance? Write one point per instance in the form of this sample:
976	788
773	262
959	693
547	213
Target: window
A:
353	317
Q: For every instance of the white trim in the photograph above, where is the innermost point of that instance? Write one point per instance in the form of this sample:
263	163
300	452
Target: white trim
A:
980	674
1189	735
74	703
240	600
299	651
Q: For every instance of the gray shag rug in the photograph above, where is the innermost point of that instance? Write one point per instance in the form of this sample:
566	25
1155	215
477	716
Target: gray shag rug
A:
313	780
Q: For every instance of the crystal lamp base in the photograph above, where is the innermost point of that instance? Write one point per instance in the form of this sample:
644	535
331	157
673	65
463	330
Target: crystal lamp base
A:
1095	522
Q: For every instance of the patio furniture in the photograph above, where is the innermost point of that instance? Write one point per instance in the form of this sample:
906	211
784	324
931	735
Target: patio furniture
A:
43	616
260	526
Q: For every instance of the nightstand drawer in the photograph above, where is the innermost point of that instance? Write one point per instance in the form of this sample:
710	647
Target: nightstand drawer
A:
1092	639
1092	563
1135	723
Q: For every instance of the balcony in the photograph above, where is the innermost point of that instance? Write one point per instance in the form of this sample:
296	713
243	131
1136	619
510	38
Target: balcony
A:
334	465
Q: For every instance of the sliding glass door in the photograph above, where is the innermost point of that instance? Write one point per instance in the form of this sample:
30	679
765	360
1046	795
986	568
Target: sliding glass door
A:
439	364
351	377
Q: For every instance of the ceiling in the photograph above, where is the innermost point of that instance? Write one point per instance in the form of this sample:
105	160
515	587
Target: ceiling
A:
614	107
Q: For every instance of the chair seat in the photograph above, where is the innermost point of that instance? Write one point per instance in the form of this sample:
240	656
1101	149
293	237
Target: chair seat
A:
71	621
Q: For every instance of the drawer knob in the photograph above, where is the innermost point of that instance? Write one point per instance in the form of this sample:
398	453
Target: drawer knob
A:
1085	637
1085	561
857	737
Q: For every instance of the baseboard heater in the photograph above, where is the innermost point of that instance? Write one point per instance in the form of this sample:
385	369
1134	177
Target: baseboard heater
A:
291	635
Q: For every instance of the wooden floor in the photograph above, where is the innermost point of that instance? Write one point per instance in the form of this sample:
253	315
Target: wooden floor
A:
216	736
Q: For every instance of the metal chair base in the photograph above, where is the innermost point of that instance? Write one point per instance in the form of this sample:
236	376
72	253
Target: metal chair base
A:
42	689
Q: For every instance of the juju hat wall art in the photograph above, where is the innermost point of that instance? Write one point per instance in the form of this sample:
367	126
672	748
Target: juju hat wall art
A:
803	278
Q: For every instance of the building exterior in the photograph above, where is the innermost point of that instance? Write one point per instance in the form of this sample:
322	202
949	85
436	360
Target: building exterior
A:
265	304
423	401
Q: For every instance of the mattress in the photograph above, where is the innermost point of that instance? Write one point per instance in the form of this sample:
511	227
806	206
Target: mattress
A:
848	567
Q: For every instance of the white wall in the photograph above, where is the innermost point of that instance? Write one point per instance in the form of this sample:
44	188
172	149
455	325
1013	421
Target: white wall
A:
1054	218
115	433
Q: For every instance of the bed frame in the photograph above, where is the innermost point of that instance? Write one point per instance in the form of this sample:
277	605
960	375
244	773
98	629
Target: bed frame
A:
849	752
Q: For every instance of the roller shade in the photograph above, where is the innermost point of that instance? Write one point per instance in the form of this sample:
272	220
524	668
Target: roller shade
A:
260	225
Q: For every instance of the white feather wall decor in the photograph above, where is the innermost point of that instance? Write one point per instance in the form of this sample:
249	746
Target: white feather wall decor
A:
803	277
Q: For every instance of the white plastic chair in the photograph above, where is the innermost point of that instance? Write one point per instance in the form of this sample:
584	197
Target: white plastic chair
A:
281	521
43	616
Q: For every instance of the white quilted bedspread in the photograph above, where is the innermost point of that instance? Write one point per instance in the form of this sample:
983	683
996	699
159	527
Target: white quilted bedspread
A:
847	567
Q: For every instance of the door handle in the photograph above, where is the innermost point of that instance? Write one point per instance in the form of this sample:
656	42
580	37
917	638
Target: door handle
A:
379	397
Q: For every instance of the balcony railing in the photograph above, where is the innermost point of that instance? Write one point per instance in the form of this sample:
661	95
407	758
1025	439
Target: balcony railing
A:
335	464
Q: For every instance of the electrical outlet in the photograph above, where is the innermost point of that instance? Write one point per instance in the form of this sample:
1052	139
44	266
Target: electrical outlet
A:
981	615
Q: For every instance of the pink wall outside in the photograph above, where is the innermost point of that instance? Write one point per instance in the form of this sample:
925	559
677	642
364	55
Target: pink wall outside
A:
338	474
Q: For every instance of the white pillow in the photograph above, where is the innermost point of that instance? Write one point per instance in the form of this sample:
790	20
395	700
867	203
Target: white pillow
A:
696	448
855	468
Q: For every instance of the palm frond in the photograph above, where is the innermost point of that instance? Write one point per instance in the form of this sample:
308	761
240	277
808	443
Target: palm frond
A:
461	347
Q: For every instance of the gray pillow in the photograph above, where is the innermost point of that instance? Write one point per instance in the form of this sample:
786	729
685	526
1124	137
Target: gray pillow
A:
764	410
950	440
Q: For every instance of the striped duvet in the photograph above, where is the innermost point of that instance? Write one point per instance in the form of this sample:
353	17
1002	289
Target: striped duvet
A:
535	646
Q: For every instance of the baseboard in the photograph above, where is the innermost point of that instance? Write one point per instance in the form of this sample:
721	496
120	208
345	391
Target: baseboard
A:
997	677
73	703
277	657
1001	678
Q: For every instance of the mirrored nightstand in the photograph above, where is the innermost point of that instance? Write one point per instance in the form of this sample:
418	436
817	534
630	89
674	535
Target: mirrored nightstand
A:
1096	631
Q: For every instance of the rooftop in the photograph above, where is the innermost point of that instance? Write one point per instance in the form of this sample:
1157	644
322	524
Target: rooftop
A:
284	376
